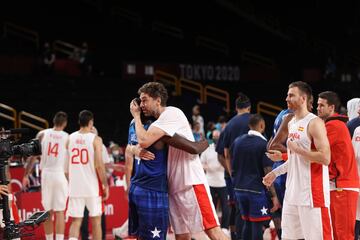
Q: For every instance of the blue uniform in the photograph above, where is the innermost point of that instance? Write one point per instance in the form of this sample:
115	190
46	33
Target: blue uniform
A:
237	126
280	181
148	197
248	162
352	124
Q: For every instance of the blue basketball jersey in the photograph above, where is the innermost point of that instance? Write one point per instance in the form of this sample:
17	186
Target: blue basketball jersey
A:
150	174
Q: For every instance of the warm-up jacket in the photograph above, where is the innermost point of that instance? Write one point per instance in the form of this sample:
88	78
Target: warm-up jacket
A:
343	166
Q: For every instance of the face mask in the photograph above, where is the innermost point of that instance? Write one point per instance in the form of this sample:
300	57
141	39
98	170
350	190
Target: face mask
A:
115	152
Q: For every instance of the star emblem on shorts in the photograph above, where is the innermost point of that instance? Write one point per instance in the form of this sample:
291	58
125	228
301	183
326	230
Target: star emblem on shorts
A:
264	210
156	233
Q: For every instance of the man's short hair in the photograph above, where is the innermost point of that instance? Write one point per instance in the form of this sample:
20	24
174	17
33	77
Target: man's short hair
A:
84	118
242	101
332	99
60	118
155	90
255	119
303	87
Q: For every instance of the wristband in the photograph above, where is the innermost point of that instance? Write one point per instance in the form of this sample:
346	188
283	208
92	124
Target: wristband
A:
284	156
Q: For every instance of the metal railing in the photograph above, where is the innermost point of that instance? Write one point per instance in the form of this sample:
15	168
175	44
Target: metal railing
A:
128	15
267	108
12	116
31	117
219	94
168	79
212	44
22	32
192	86
257	59
65	47
168	29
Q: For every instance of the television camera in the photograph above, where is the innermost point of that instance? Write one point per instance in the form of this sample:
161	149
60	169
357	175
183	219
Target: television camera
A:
8	149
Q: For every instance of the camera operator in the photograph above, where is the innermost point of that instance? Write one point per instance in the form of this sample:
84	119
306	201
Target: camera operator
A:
54	183
6	190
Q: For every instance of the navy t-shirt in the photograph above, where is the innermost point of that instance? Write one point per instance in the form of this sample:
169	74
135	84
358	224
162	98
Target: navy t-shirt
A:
236	127
352	124
248	160
149	174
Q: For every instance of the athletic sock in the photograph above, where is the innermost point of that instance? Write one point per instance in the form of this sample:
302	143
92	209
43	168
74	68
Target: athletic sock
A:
59	237
49	236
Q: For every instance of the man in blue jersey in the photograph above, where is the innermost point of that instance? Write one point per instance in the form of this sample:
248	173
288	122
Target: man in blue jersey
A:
236	127
249	165
148	193
278	142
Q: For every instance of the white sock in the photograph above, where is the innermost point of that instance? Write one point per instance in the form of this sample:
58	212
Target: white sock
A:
59	237
49	236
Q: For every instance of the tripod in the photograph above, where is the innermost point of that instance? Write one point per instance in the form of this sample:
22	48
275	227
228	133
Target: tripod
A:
11	230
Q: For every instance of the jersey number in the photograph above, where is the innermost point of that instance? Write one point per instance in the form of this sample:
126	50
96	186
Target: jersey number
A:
53	149
80	156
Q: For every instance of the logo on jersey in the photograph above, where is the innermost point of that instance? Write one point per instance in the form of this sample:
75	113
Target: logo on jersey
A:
293	136
357	139
301	129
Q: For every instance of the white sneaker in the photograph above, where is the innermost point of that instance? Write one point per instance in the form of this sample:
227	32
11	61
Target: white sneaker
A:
121	231
226	232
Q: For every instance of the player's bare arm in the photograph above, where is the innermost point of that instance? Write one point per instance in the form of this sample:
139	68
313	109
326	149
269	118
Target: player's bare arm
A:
221	160
99	165
145	137
317	132
278	142
182	143
227	160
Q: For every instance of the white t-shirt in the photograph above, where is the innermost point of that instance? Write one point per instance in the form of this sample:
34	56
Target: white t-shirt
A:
184	169
54	155
214	170
356	145
83	181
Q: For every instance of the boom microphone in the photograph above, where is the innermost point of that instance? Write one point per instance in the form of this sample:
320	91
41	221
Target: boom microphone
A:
16	131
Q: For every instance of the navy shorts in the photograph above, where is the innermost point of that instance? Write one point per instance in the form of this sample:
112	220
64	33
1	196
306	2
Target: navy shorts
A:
148	213
254	206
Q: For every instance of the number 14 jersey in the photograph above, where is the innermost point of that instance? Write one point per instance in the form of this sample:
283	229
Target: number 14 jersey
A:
83	180
53	145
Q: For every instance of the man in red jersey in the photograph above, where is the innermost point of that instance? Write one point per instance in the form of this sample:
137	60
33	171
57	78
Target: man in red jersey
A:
343	173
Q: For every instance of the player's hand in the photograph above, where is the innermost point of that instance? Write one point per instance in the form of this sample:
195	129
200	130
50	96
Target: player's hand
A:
134	108
25	182
274	155
269	179
276	204
144	154
294	147
106	193
4	190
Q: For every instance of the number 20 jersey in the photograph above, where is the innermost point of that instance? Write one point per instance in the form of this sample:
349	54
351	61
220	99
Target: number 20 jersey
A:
83	181
53	145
